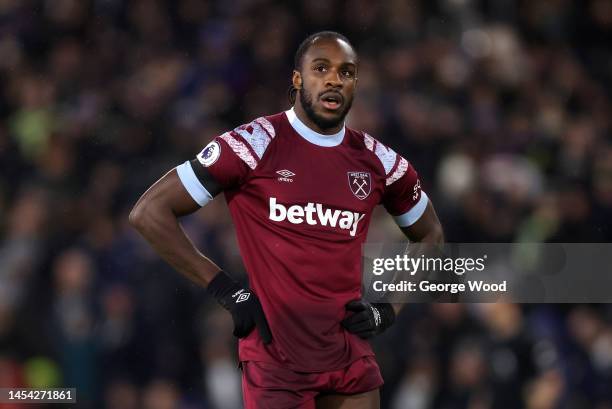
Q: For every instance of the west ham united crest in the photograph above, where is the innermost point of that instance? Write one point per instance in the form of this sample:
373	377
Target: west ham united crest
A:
360	184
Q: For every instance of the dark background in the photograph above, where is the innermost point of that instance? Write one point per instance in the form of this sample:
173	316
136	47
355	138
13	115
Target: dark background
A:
503	107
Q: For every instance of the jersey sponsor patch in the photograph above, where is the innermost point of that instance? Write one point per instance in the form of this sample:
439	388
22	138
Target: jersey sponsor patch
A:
360	184
210	154
315	214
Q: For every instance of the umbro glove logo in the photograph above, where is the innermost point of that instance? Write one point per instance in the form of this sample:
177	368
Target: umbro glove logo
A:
247	315
243	297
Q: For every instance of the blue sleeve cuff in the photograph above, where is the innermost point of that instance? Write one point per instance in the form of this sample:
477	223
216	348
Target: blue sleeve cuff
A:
411	216
191	183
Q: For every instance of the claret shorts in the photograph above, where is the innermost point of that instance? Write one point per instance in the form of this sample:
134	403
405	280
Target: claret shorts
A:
270	386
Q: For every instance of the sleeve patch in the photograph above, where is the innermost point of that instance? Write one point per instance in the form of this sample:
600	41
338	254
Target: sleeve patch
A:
210	154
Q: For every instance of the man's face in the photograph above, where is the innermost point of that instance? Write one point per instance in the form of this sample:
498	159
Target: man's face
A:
328	77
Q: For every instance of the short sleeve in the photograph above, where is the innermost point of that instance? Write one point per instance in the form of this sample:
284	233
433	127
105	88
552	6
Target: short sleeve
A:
224	164
403	197
226	161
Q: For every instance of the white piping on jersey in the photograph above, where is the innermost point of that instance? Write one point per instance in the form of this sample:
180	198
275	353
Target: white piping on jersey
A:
401	168
311	136
259	137
369	142
267	126
388	158
192	184
411	216
240	149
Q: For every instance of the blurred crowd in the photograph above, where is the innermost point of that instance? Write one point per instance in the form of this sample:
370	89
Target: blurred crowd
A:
504	107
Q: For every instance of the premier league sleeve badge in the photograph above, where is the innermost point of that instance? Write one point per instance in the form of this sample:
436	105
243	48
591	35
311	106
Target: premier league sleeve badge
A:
210	154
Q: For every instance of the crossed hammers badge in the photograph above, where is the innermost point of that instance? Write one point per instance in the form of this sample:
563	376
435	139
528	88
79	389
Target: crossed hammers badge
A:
360	184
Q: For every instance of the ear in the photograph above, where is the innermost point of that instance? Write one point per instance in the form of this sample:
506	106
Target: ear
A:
297	79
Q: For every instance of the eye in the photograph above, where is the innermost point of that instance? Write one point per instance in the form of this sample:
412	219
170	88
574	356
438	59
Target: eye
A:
348	73
320	68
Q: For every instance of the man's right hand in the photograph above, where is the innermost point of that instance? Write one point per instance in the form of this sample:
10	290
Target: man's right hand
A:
243	304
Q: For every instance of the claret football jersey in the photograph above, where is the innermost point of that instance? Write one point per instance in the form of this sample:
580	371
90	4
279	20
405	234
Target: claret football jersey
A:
301	203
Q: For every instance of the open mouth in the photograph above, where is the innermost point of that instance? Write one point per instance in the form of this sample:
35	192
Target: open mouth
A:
331	100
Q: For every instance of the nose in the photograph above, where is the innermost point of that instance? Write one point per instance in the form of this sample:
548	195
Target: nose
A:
333	79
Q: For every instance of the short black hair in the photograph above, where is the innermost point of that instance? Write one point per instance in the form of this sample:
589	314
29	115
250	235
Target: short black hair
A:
310	40
305	46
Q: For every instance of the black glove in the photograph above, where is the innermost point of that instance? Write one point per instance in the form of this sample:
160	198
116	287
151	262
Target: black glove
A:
368	319
243	304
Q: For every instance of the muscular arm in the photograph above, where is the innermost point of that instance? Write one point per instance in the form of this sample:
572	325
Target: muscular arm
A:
427	230
155	216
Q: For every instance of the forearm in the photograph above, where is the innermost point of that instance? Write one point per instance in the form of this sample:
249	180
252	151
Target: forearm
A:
430	238
160	227
431	244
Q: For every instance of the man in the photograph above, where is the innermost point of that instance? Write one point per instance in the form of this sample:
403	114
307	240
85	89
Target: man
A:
301	188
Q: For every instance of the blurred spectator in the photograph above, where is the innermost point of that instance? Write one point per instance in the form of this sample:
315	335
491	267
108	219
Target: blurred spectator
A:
74	320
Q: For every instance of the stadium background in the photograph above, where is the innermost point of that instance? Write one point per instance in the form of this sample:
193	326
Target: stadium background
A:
504	108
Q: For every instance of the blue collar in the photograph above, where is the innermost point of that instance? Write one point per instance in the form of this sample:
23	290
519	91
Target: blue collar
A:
312	136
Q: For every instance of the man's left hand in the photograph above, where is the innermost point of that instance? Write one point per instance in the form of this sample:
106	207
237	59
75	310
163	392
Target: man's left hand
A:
368	319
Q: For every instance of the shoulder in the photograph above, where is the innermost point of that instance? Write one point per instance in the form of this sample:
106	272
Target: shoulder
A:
391	165
251	140
276	120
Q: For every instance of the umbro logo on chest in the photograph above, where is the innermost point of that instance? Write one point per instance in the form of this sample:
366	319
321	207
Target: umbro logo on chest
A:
285	175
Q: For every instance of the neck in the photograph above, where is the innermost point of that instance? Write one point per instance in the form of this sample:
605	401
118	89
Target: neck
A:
302	116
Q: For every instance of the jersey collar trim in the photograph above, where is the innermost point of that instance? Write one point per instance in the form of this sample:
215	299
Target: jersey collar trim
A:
312	136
